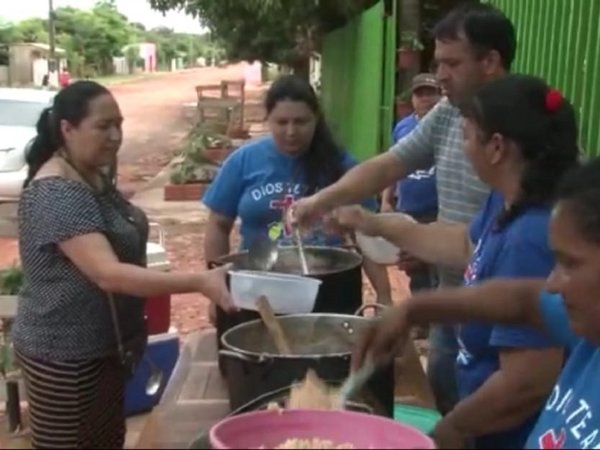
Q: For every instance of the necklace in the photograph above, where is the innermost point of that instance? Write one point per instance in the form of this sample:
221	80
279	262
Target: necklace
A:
125	214
85	178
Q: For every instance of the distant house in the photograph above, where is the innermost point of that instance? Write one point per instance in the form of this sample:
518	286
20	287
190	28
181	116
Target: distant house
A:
146	53
28	64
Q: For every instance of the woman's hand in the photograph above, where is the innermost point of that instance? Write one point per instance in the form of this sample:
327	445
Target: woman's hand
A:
212	284
355	218
447	436
383	341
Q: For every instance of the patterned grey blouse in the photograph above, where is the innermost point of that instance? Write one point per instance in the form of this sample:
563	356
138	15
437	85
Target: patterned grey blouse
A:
62	315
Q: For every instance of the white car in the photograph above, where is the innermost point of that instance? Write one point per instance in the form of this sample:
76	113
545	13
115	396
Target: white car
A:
20	110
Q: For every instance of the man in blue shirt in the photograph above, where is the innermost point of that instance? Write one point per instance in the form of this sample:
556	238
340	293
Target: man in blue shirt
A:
417	194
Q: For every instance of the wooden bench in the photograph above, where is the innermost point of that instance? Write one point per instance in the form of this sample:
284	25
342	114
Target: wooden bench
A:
224	103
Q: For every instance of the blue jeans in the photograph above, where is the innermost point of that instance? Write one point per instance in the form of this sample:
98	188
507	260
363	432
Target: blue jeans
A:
441	367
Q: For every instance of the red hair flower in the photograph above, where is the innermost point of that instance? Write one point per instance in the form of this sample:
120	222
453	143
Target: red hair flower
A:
553	100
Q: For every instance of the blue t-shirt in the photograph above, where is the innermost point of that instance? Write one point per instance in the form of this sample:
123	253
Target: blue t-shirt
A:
258	183
417	194
518	249
571	417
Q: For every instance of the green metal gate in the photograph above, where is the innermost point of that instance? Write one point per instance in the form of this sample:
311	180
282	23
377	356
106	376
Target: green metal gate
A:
357	80
558	40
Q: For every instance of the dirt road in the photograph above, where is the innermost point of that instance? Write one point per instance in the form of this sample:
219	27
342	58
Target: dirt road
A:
155	119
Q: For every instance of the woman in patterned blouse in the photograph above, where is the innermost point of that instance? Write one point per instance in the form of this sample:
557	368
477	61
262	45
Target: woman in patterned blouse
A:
80	327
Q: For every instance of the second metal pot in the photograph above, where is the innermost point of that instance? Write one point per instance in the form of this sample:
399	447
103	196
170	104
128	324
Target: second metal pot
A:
322	342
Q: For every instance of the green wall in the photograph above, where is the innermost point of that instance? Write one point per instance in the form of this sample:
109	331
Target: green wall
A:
357	81
558	40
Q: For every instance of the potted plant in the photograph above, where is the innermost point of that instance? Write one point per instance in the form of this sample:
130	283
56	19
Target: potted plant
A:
191	177
404	105
237	132
207	141
410	50
216	147
11	281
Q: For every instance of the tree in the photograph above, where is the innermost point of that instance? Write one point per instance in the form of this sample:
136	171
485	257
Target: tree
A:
280	31
32	30
170	45
7	32
132	55
93	38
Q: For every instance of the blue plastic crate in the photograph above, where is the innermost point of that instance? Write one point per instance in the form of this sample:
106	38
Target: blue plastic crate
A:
163	351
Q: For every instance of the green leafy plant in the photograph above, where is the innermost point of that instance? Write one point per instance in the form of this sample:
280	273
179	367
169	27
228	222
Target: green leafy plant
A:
11	281
184	173
195	166
409	40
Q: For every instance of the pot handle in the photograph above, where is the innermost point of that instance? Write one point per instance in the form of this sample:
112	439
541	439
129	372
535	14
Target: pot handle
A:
213	265
376	306
244	358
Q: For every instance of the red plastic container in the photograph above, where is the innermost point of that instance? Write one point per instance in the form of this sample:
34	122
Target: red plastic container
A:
158	314
158	309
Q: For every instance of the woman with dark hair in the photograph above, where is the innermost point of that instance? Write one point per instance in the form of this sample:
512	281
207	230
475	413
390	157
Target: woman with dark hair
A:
80	329
521	137
568	310
261	180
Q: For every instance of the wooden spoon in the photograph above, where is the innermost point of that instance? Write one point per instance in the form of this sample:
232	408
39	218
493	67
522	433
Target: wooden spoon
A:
273	325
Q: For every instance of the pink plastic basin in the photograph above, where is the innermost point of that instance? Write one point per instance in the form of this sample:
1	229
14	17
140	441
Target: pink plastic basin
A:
269	429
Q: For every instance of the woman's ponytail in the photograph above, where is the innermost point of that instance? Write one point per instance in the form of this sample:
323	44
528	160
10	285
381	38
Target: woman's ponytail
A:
44	145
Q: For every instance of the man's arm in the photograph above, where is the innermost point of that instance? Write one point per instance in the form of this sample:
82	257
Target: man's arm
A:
367	179
414	152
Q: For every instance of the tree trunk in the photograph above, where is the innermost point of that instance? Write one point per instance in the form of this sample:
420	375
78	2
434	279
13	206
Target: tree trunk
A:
301	67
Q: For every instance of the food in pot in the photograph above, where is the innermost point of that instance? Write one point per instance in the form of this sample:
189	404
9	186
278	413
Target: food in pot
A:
315	443
274	406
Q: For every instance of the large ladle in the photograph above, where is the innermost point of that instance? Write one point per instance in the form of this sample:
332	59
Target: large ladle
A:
300	244
155	381
263	254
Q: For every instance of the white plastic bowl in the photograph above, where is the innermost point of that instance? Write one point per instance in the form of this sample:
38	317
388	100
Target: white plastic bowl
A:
378	249
287	294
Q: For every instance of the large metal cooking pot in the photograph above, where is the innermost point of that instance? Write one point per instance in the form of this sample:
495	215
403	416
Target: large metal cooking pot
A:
339	269
322	342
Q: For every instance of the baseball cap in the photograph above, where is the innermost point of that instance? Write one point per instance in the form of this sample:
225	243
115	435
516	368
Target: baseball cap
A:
424	80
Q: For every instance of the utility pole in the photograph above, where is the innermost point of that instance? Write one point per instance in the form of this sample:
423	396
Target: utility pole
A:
51	36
